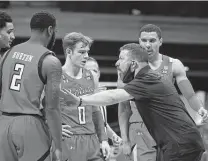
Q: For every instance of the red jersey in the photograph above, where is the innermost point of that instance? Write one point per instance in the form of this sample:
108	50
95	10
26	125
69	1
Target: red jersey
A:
79	118
22	82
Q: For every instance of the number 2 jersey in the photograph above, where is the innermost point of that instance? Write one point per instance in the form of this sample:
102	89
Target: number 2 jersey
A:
79	118
22	82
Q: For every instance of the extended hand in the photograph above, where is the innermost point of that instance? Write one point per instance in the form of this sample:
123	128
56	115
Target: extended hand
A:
70	99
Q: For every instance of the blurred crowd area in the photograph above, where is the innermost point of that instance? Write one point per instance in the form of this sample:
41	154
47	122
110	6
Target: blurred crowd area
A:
166	8
191	46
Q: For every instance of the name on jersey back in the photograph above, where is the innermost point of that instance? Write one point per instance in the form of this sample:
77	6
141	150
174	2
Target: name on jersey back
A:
22	56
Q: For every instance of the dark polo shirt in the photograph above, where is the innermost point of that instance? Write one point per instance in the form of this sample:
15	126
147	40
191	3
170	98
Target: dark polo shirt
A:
162	111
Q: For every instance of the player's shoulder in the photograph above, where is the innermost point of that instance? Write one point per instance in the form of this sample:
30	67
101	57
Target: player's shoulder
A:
168	58
51	62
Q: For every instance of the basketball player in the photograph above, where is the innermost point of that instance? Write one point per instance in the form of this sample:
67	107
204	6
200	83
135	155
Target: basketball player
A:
159	104
6	30
79	81
25	70
150	37
93	66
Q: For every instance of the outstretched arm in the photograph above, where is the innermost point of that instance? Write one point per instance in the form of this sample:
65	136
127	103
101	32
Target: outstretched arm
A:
108	97
51	71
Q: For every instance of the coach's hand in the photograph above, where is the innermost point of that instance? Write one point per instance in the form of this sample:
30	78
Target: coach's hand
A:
203	113
70	99
66	131
105	149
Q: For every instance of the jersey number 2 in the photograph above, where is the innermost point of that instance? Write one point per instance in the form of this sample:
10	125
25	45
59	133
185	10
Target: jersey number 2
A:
14	85
82	119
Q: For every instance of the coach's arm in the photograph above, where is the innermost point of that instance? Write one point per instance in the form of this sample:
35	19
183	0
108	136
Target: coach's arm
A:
108	97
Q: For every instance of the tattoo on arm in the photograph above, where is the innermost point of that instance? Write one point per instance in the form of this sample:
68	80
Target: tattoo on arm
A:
53	81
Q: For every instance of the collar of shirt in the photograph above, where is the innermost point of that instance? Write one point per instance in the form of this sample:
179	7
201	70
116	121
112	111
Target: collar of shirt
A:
143	71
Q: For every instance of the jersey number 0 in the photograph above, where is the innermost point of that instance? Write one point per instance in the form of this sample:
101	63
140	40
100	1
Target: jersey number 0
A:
82	116
17	76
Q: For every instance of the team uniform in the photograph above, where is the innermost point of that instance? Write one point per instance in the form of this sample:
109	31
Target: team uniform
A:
84	144
138	133
24	136
165	117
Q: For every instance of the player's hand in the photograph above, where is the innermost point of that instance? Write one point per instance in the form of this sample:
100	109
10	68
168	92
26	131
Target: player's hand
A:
66	131
58	155
105	149
117	141
127	149
203	113
70	99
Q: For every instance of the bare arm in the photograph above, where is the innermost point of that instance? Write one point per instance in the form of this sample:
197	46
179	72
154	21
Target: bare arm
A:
185	85
51	70
99	124
124	113
108	97
110	132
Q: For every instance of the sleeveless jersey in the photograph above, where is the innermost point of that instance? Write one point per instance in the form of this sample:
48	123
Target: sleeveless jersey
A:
165	69
79	118
22	82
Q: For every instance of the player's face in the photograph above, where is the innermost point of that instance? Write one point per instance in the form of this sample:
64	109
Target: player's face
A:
123	63
7	35
79	54
151	42
93	66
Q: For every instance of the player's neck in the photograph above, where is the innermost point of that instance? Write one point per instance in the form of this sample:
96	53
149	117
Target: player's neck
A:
37	39
72	70
155	61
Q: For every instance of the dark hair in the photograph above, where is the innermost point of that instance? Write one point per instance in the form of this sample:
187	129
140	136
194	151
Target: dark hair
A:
136	52
151	28
42	20
4	18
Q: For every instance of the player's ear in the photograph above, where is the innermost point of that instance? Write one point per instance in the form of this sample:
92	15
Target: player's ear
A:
68	51
161	41
50	30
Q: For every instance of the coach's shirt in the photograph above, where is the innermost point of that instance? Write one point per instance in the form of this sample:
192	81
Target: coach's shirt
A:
162	110
165	69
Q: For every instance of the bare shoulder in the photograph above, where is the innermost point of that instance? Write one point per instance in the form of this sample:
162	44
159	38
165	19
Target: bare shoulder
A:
178	68
51	63
51	67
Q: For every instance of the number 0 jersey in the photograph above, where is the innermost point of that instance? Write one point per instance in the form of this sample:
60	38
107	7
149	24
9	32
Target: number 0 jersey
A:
79	118
22	82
